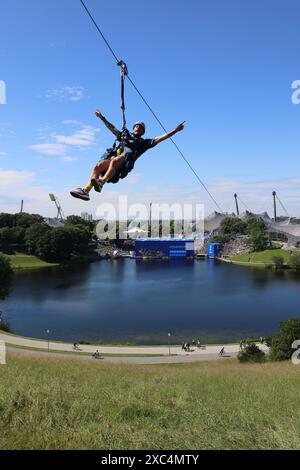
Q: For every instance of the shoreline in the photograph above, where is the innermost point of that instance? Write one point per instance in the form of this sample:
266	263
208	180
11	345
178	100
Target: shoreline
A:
57	347
111	345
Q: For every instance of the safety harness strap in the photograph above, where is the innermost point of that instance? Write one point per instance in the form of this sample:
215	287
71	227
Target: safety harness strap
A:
124	73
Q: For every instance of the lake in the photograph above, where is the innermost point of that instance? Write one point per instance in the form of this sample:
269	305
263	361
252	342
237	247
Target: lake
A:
128	300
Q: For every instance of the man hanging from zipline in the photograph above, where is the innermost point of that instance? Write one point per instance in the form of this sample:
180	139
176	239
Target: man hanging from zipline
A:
118	161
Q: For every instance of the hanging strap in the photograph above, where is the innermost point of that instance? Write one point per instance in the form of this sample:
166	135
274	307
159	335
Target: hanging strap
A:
124	73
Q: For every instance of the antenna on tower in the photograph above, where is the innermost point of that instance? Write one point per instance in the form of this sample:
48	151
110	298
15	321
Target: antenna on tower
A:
274	203
60	214
236	204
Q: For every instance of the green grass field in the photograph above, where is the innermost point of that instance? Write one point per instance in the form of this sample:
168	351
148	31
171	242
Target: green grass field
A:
261	257
21	261
48	403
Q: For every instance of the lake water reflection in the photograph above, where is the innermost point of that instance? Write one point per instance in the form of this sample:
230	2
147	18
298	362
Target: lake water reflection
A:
136	301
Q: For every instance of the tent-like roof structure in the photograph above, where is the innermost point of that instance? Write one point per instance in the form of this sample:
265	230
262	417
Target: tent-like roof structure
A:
55	223
286	227
213	221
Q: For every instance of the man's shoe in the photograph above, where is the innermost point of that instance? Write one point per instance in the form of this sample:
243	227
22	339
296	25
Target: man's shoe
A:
97	184
80	194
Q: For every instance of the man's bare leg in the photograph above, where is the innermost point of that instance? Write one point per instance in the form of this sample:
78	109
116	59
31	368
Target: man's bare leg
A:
83	193
115	164
101	167
109	167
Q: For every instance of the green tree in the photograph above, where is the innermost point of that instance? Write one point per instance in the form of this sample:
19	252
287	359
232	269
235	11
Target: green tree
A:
255	224
55	245
7	220
80	239
17	234
232	226
281	343
5	236
6	274
59	244
26	220
256	238
21	219
10	235
76	220
32	236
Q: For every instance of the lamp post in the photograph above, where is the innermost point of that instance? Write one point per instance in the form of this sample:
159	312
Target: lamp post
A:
169	336
150	221
48	332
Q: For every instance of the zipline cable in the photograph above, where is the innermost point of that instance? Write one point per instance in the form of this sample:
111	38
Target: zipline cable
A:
244	204
282	206
148	106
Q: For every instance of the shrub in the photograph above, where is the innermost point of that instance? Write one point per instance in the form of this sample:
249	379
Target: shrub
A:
4	325
295	261
219	239
251	353
6	274
278	261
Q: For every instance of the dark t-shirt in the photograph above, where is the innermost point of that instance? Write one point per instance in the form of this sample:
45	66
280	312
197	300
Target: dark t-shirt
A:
137	144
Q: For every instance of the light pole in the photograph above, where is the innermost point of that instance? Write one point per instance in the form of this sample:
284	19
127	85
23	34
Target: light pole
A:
169	336
150	221
48	332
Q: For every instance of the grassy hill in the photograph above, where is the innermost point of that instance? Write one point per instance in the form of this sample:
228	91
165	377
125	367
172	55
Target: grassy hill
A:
261	257
54	403
21	260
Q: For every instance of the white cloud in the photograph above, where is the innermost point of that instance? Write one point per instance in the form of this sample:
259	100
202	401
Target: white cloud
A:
49	149
83	137
256	194
70	93
68	159
133	178
72	121
3	154
7	129
36	198
11	178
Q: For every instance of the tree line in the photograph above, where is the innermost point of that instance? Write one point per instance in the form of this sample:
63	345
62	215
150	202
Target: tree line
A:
30	233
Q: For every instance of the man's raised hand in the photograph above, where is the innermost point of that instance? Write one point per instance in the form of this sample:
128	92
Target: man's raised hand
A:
180	127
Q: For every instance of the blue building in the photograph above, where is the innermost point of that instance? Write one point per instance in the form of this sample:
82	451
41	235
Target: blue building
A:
164	247
214	249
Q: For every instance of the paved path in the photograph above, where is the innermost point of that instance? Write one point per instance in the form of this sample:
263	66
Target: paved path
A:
190	357
145	352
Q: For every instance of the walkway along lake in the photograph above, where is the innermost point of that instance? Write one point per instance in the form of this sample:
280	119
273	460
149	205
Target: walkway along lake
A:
142	301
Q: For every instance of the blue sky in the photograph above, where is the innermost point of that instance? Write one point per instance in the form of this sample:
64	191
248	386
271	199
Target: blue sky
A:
226	67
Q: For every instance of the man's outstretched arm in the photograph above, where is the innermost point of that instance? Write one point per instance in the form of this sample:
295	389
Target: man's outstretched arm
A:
109	126
161	138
